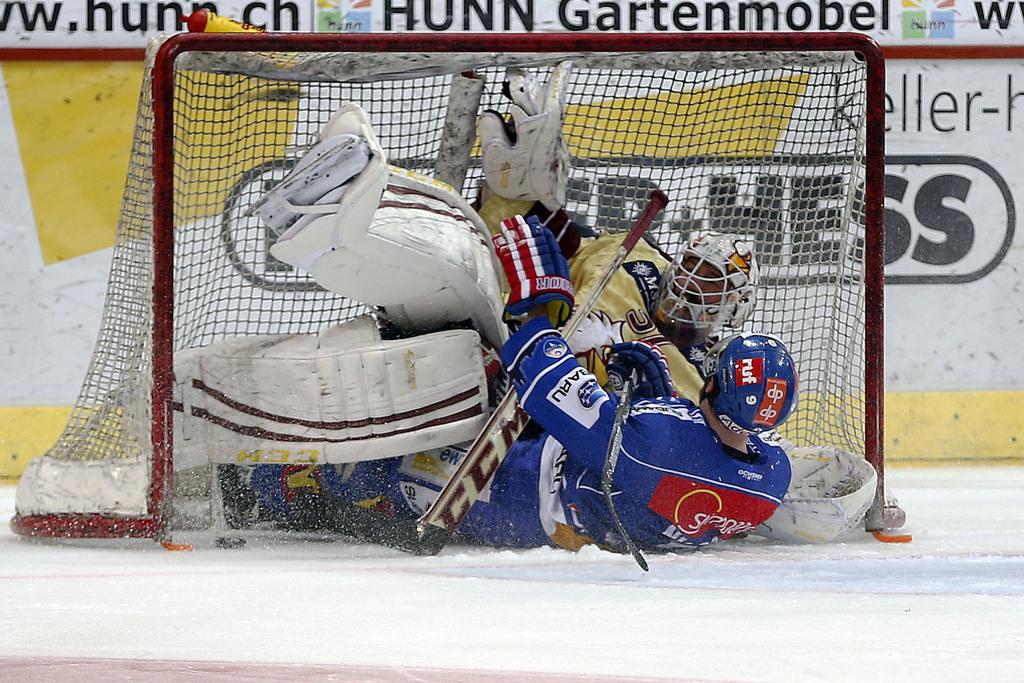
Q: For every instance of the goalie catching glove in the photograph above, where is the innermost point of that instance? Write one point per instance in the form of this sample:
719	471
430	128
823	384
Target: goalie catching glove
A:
537	272
526	157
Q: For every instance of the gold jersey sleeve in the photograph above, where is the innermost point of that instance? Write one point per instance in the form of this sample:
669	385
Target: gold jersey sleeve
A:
622	312
623	308
496	209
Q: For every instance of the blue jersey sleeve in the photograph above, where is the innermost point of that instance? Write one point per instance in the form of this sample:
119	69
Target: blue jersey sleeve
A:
560	395
676	483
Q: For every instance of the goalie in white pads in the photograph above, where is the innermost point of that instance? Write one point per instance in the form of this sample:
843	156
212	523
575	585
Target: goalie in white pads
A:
383	236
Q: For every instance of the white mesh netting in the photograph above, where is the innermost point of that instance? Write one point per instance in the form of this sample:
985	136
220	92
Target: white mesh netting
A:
770	145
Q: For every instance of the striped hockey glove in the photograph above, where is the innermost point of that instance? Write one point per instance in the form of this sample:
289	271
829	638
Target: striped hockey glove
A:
537	272
648	365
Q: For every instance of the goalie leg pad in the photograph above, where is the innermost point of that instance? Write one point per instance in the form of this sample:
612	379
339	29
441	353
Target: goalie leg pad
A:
342	396
425	258
829	494
398	240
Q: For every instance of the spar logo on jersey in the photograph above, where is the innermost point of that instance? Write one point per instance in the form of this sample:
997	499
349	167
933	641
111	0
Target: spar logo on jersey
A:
749	371
701	511
774	398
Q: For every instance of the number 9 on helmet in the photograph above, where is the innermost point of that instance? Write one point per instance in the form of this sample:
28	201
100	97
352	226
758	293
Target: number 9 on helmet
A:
752	382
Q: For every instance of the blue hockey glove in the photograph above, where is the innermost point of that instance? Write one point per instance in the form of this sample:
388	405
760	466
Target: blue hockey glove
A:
536	271
648	365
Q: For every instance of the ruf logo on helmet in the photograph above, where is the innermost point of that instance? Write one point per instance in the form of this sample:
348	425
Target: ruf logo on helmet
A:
749	371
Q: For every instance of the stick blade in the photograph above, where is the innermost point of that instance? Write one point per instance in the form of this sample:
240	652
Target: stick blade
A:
431	540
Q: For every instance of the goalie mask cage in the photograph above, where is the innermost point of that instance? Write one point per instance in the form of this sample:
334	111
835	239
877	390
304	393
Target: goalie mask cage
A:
778	137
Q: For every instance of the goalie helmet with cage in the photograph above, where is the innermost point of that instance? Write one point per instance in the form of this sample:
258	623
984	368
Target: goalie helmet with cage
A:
752	382
710	287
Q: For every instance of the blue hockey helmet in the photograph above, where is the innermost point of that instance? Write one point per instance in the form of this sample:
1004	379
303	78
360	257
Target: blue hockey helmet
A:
755	382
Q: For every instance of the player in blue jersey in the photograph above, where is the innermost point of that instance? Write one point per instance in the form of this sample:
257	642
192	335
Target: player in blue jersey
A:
687	474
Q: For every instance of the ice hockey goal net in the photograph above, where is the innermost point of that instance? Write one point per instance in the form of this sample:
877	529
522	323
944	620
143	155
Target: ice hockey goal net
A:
775	136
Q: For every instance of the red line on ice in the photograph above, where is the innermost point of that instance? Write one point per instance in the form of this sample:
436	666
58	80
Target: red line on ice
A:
62	669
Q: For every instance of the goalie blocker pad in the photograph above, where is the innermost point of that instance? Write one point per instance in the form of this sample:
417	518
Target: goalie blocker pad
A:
342	396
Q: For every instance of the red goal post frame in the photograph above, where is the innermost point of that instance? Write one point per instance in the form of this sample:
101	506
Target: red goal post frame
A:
163	165
153	524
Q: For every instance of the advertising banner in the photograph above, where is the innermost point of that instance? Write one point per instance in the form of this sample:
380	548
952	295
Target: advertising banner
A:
953	178
954	187
955	258
108	23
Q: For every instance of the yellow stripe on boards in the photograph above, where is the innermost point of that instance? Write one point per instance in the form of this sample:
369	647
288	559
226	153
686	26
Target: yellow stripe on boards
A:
25	432
74	124
962	426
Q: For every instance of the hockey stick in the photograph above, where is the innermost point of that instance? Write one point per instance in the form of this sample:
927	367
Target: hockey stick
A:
507	421
611	459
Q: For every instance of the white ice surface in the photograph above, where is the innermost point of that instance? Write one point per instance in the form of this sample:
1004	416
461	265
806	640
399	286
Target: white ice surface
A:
947	607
